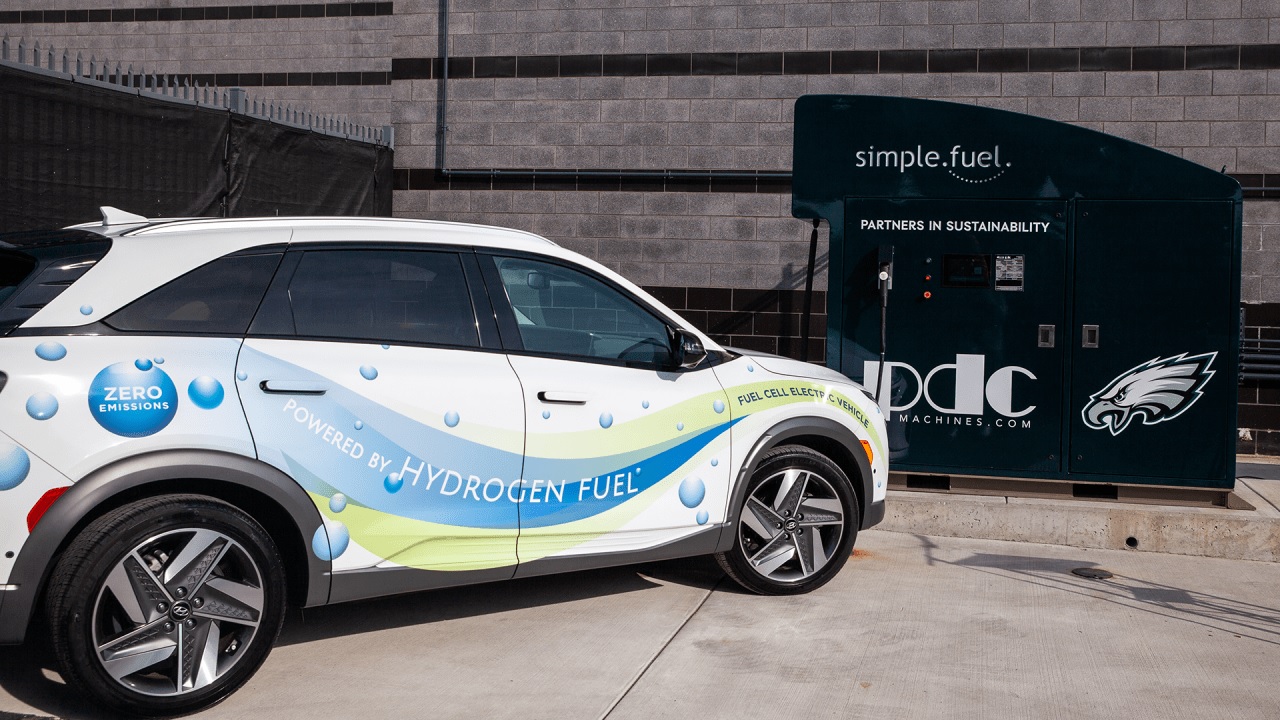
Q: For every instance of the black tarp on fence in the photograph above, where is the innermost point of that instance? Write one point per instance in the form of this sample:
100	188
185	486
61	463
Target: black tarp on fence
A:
67	148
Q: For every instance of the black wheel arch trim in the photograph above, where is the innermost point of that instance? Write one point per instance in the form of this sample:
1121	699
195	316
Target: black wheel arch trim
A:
782	434
220	475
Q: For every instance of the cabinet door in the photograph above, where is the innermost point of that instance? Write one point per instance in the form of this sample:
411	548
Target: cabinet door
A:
1149	323
974	362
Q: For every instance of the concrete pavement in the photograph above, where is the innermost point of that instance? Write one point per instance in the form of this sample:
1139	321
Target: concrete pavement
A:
914	627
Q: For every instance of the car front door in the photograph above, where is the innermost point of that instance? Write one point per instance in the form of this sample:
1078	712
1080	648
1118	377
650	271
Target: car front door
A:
624	451
366	378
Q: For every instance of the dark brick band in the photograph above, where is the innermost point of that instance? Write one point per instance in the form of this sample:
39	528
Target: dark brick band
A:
599	180
213	12
226	80
1256	186
848	62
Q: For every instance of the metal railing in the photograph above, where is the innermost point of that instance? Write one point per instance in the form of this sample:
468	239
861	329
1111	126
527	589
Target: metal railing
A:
1259	360
178	88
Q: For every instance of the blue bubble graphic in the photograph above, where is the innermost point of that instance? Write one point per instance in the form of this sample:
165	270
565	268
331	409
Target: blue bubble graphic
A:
330	540
242	376
42	406
645	404
50	351
206	392
159	360
86	309
679	426
143	364
368	372
14	465
385	346
702	517
339	537
338	503
714	462
393	483
751	368
320	543
546	414
131	402
359	424
451	419
606	419
692	491
718	406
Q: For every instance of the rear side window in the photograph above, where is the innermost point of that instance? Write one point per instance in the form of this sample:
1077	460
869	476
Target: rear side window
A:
14	268
408	296
219	298
35	267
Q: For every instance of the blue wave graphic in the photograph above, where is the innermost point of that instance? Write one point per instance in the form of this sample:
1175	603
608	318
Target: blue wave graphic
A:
443	478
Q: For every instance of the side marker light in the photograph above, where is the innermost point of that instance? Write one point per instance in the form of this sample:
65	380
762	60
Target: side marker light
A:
42	506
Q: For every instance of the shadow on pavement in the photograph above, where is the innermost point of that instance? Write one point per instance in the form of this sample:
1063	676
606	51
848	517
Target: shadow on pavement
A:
27	672
1215	612
431	606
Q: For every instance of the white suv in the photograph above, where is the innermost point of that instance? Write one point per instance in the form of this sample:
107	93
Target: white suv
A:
201	420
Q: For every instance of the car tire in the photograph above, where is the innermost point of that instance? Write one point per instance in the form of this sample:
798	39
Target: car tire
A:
166	606
796	524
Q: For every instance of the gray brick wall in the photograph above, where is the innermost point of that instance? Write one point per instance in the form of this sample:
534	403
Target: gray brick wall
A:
1221	118
731	240
292	45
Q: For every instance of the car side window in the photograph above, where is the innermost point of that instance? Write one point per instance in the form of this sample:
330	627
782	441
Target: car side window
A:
216	298
412	296
562	311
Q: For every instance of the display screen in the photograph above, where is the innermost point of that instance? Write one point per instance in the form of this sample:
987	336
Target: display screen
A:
966	271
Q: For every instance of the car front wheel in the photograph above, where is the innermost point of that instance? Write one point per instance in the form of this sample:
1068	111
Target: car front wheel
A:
167	605
796	525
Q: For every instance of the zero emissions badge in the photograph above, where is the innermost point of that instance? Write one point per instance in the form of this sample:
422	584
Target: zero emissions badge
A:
133	399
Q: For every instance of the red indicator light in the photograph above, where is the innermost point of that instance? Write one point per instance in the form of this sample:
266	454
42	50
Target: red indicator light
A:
927	278
42	506
927	294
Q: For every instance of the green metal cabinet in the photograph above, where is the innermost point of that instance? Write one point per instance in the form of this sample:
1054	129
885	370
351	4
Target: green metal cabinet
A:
1063	304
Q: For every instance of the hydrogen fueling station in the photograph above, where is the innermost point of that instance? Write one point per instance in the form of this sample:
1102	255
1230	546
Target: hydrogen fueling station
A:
1027	299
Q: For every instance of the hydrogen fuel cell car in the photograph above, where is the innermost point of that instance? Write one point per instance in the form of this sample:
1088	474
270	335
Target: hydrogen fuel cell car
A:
203	420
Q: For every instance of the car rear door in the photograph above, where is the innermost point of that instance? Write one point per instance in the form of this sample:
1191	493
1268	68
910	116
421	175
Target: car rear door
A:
367	376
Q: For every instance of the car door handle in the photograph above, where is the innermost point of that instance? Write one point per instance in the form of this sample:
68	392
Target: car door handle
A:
292	387
563	397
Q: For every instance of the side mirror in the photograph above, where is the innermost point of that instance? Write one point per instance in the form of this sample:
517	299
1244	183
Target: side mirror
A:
689	352
538	281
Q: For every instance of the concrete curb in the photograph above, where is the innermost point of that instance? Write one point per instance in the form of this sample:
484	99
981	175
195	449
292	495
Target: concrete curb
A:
1207	532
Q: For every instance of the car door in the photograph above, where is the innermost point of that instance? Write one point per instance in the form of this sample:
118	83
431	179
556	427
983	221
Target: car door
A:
366	378
624	452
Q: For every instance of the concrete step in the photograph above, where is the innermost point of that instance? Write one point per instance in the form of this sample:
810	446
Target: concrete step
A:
1203	531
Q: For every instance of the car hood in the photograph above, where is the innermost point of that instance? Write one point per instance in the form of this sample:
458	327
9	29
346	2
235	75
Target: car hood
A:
794	368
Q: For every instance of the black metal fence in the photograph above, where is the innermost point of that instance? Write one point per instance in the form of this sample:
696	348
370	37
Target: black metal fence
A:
75	135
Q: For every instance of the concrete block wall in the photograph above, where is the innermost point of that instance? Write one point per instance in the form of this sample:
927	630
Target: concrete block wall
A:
709	85
332	59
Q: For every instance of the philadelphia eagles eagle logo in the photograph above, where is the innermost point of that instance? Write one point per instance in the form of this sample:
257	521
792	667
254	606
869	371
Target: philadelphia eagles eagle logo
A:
1157	390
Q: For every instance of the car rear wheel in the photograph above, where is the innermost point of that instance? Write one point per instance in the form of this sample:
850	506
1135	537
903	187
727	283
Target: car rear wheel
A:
167	605
796	525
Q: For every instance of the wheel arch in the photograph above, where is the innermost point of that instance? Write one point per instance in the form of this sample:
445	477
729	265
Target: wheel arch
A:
828	437
266	494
